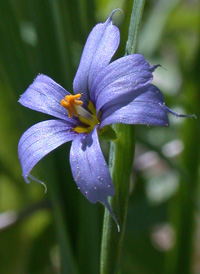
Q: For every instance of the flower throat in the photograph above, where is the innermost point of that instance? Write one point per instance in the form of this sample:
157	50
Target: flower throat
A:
88	118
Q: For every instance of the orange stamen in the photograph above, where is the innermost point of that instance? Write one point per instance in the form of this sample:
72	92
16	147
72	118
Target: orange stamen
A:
70	102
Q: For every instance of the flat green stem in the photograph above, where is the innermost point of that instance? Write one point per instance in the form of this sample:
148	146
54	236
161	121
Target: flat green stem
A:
136	17
120	163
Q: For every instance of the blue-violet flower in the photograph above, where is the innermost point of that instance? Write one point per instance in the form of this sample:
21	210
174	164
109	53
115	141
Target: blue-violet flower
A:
104	93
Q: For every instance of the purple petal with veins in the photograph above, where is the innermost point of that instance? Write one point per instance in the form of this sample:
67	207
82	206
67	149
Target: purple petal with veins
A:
41	139
100	47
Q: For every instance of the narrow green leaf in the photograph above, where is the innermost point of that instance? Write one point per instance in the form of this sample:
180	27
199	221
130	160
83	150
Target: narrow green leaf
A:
136	18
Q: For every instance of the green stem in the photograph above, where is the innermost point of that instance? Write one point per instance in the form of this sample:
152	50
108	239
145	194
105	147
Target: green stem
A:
136	17
120	163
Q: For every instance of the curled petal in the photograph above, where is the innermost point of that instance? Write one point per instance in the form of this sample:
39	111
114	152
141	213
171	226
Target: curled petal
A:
121	77
144	106
41	139
45	95
90	170
100	47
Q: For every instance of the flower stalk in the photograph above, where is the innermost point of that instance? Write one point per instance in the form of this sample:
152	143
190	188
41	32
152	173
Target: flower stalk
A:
120	164
120	167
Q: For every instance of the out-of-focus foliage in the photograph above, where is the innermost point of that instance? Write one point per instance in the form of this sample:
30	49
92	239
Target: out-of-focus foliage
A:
40	231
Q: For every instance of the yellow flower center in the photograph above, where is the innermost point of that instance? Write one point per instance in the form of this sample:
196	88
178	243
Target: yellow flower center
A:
88	118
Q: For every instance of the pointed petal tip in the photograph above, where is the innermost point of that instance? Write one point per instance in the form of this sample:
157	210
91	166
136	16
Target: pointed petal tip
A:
26	179
181	115
37	181
194	116
113	12
154	67
107	205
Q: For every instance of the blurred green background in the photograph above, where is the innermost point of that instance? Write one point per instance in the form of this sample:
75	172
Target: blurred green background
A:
61	231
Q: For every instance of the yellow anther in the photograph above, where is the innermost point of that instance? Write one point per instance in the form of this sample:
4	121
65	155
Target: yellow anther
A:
70	102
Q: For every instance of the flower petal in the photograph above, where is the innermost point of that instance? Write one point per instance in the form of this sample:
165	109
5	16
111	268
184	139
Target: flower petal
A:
89	168
144	106
41	139
100	47
120	77
44	95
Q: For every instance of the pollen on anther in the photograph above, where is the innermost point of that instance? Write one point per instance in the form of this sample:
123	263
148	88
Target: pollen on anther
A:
70	102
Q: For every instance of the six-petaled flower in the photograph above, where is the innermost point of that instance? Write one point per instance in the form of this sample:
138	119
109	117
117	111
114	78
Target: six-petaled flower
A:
104	93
